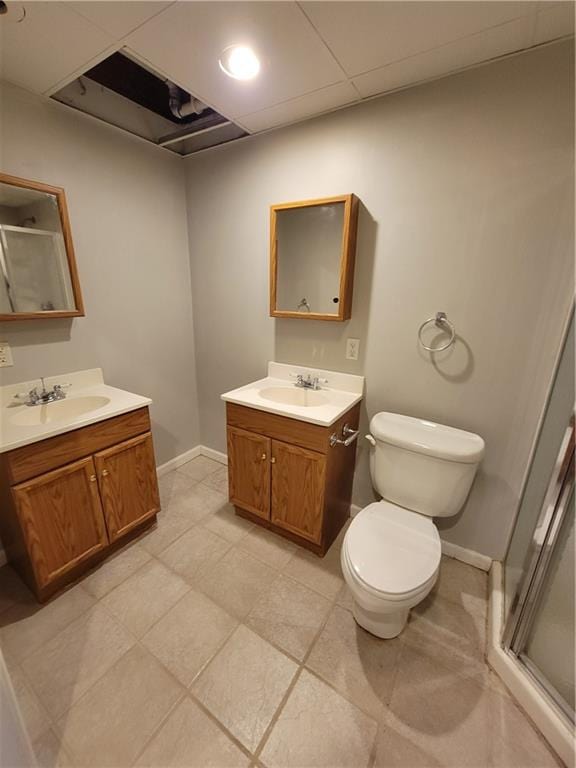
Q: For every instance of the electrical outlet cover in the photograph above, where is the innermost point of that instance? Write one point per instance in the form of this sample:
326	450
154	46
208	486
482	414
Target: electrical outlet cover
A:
352	349
5	355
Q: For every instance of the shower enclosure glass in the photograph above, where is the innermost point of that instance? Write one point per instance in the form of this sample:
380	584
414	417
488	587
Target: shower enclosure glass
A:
539	566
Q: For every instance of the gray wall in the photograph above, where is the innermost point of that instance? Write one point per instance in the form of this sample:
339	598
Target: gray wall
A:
127	209
467	192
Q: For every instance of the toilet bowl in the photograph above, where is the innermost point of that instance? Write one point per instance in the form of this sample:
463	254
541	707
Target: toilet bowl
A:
391	552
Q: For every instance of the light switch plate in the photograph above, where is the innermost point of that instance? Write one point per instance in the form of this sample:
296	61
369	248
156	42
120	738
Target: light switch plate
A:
352	349
5	355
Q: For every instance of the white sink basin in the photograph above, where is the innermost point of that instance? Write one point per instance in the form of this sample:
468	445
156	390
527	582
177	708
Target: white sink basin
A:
278	394
60	410
294	396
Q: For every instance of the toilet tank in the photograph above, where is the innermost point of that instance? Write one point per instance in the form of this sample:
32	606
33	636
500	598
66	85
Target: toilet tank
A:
423	466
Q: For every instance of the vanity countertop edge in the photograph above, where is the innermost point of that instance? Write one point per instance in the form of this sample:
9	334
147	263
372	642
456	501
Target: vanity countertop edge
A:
83	384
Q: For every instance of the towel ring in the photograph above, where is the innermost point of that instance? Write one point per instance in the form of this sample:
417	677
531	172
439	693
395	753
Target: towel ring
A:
440	321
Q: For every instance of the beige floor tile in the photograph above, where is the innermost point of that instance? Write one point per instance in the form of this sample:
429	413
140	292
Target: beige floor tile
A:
200	468
394	750
432	641
289	615
244	685
317	727
450	625
227	524
194	552
345	599
66	666
360	666
172	485
322	574
12	589
115	570
27	626
190	739
50	752
237	581
110	725
189	635
145	597
205	501
218	480
514	741
442	713
31	709
463	584
268	547
171	524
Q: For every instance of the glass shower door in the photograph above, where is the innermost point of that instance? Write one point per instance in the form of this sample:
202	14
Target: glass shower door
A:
540	631
549	648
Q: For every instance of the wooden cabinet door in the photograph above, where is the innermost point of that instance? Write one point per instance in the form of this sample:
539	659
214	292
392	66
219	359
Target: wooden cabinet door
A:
61	518
128	484
298	479
249	471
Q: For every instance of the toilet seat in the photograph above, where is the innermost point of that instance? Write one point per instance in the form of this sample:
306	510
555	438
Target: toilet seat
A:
391	552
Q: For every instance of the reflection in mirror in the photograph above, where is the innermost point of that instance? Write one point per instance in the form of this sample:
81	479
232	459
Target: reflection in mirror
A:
309	243
37	268
312	258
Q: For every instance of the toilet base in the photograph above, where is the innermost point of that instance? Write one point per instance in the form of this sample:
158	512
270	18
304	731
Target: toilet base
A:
384	625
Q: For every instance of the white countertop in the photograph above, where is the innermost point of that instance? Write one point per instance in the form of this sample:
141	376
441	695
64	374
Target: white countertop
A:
83	384
340	391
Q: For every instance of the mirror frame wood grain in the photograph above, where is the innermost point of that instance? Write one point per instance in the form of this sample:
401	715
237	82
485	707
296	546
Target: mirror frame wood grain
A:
60	196
347	258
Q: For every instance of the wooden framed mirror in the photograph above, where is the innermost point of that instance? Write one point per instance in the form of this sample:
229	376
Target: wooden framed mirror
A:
312	252
38	273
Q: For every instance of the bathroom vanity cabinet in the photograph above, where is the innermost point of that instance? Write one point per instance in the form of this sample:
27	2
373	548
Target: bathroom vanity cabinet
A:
69	500
286	474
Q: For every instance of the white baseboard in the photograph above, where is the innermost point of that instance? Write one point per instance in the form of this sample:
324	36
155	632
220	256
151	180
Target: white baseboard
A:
213	454
547	719
467	556
177	461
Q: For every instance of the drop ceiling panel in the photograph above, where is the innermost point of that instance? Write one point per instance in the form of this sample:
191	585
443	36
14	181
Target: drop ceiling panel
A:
292	111
448	58
369	35
186	41
50	43
120	17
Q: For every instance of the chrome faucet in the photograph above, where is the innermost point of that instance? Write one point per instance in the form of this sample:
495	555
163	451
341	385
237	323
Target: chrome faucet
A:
308	382
35	397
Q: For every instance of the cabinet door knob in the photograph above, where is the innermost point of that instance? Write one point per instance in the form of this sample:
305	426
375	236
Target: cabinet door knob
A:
263	457
272	460
92	478
105	472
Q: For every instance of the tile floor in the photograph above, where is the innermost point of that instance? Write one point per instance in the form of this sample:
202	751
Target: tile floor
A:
212	643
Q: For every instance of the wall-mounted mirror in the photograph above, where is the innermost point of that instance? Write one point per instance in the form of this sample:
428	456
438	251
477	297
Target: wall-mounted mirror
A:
312	250
38	275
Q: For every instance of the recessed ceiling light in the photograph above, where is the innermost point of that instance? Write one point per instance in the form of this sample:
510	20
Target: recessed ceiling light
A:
239	62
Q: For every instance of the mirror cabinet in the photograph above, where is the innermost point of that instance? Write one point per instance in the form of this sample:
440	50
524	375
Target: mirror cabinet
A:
38	274
312	251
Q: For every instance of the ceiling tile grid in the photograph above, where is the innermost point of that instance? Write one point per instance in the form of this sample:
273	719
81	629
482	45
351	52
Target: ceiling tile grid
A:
315	56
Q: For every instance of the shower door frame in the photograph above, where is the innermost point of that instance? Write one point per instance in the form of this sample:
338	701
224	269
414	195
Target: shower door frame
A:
553	514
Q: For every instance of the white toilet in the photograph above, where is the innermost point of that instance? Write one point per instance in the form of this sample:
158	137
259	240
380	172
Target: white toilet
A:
391	551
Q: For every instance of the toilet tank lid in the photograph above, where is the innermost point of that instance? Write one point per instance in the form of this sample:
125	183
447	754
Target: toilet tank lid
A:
427	437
